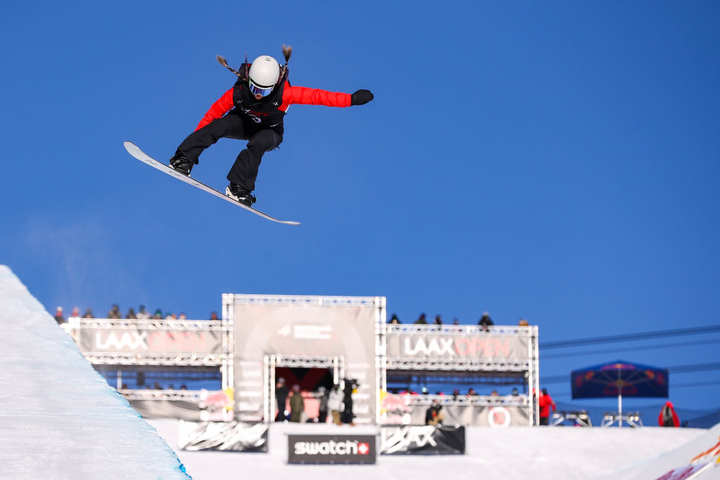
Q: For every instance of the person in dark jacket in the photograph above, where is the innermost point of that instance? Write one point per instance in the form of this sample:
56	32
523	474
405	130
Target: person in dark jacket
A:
485	321
422	320
323	397
281	394
433	415
254	109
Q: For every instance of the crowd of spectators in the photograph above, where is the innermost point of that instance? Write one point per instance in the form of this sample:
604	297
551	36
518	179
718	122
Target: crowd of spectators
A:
115	313
485	321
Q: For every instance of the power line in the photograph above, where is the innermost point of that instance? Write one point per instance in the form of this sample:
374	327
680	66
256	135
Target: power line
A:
631	337
632	349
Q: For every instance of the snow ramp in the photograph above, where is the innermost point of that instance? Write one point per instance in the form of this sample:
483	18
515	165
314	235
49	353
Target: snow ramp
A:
58	418
697	459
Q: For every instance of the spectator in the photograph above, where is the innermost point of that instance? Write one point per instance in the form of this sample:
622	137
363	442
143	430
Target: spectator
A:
156	386
668	417
158	315
59	315
183	316
131	314
323	409
143	314
485	321
471	392
394	320
335	404
456	321
494	393
349	387
75	312
214	316
515	392
170	316
546	403
88	313
281	395
297	405
433	415
438	320
424	390
114	312
456	394
523	323
422	320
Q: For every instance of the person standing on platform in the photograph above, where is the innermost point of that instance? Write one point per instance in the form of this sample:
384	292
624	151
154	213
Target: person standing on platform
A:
335	404
281	394
546	404
297	405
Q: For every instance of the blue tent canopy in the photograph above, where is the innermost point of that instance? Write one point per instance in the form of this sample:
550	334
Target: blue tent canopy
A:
619	378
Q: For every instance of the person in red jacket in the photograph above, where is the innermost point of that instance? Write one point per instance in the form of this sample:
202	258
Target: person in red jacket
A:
668	417
546	403
254	110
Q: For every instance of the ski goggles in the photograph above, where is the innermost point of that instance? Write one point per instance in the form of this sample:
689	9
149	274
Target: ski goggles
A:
260	90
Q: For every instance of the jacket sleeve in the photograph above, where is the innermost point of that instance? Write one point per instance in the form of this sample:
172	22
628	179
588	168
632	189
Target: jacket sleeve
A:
218	109
313	96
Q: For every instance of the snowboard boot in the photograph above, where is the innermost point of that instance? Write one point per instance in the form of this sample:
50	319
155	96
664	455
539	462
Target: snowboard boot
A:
180	163
240	194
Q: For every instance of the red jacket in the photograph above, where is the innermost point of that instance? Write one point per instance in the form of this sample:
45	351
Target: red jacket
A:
546	403
291	95
671	412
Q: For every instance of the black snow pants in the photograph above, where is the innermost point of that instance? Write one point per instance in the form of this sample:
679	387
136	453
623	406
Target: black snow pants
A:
245	169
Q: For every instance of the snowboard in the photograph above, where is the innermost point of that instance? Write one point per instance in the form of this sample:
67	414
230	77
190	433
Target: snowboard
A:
135	151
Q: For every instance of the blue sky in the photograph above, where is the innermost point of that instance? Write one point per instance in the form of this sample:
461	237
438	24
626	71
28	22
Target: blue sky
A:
557	161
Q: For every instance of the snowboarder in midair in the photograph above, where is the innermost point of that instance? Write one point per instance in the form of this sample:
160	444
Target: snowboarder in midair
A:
254	110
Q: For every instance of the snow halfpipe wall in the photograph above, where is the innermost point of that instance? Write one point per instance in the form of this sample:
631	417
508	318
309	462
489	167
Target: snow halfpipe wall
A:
59	418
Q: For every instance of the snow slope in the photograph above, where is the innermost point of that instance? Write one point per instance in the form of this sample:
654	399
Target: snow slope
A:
58	418
513	453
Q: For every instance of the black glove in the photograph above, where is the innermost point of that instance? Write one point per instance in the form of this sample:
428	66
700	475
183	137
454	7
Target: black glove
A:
361	97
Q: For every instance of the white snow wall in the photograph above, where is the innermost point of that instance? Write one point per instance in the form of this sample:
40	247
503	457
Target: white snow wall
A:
58	418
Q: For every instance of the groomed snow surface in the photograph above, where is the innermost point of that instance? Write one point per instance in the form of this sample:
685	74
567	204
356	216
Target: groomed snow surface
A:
512	453
59	419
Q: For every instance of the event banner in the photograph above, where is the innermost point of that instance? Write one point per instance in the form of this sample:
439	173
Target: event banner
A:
331	449
146	337
224	436
305	326
210	407
422	440
484	411
458	346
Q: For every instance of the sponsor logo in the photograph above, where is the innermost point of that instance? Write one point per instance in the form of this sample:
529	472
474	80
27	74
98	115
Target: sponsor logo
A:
129	340
402	439
331	447
499	417
307	332
154	341
458	347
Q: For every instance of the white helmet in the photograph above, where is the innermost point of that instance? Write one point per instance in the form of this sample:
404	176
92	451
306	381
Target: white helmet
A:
264	74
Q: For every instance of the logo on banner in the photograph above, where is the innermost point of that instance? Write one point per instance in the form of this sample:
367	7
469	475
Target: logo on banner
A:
458	347
331	447
499	417
307	332
129	340
401	439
